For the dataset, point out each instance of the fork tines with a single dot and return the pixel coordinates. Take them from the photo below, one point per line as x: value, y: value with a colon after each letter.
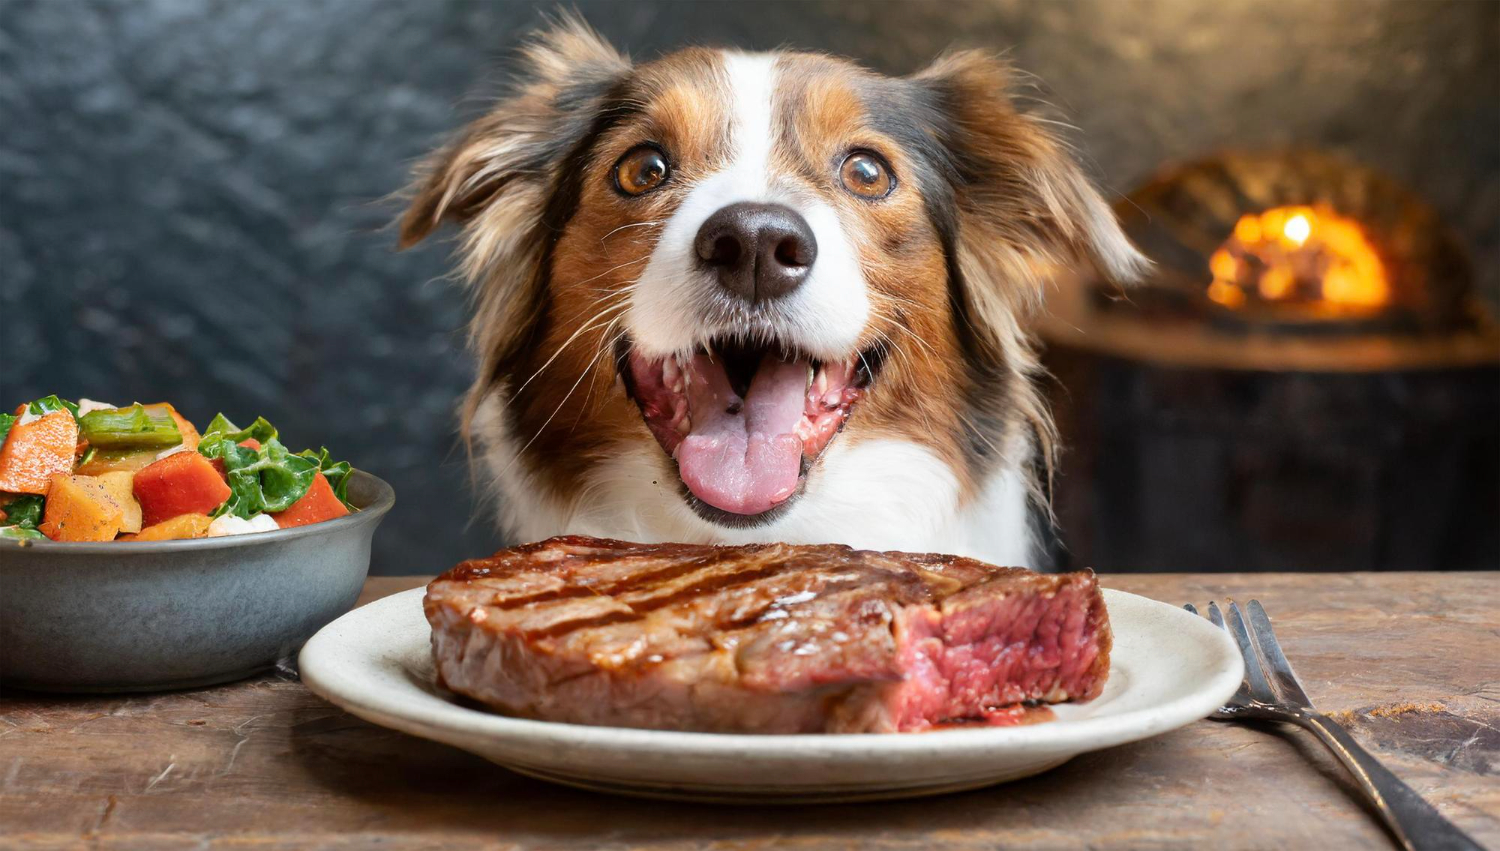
x: 1268, y: 674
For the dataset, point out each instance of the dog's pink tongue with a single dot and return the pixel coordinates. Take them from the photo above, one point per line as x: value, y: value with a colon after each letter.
x: 743, y: 455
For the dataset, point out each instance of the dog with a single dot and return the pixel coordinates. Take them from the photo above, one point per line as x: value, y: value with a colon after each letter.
x: 730, y: 297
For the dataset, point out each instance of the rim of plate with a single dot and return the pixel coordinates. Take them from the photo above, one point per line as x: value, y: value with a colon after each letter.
x: 345, y: 684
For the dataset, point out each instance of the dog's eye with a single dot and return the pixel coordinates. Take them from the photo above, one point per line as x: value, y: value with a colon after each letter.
x: 641, y: 170
x: 867, y: 175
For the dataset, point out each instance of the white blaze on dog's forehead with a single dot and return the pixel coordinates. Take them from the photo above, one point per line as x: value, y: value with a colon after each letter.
x: 752, y: 81
x: 826, y: 315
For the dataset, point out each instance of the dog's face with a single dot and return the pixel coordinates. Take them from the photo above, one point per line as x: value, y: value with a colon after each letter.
x: 738, y: 261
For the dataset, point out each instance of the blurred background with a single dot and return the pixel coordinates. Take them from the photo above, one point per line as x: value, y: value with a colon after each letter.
x: 191, y: 210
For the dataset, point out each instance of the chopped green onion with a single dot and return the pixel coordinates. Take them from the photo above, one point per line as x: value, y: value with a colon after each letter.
x: 135, y: 427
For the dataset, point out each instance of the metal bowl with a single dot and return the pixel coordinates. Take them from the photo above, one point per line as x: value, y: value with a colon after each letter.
x: 110, y: 617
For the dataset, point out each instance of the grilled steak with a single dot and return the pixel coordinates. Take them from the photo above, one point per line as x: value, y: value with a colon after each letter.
x: 768, y: 638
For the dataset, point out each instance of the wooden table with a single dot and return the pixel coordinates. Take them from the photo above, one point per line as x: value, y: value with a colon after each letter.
x: 1410, y: 662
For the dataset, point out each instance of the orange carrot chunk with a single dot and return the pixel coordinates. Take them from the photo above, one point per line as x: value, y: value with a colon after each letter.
x: 34, y: 452
x: 318, y: 504
x: 80, y: 508
x: 178, y: 528
x: 181, y: 483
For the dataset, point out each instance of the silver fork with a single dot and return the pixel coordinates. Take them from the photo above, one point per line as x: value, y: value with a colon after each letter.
x: 1271, y: 692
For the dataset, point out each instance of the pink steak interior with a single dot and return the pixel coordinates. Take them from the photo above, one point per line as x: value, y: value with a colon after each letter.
x: 743, y: 422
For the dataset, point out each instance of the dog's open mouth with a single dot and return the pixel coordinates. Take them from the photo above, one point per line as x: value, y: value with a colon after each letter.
x: 744, y: 422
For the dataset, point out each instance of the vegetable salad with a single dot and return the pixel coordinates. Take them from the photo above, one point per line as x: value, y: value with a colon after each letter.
x: 96, y: 472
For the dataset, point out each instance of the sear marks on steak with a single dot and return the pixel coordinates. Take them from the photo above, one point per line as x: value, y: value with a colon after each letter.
x: 769, y: 638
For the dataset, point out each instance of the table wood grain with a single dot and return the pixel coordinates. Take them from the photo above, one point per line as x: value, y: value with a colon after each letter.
x: 1409, y: 662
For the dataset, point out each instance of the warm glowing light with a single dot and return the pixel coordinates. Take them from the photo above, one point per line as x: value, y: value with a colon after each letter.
x: 1224, y: 266
x: 1228, y: 295
x: 1277, y: 283
x: 1248, y: 229
x: 1299, y: 254
x: 1297, y: 229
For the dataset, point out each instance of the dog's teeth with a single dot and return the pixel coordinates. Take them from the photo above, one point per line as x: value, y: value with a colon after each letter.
x: 683, y: 426
x: 671, y: 375
x: 810, y: 372
x: 820, y: 384
x: 832, y: 400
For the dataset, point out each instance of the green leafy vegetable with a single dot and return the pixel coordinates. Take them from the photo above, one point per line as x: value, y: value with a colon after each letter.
x: 6, y: 421
x: 135, y: 427
x: 25, y: 511
x: 260, y: 430
x: 219, y: 424
x: 22, y: 516
x: 258, y: 479
x: 51, y: 404
x: 244, y: 489
x: 337, y: 474
x: 268, y: 479
x: 20, y: 533
x: 284, y: 477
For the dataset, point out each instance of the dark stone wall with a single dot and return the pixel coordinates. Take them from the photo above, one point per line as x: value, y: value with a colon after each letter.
x: 190, y: 192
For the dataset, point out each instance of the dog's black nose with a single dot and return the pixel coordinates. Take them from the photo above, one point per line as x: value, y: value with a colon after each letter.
x: 759, y: 251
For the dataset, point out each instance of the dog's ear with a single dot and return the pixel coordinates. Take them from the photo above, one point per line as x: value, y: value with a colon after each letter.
x: 503, y: 179
x: 503, y: 165
x: 1024, y: 206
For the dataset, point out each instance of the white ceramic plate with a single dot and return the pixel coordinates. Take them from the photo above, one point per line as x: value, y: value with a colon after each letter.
x: 1168, y: 669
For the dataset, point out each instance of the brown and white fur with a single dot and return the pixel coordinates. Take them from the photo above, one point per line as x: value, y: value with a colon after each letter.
x: 946, y: 448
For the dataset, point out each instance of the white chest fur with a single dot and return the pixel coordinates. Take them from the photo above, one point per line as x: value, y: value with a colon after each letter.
x: 876, y: 494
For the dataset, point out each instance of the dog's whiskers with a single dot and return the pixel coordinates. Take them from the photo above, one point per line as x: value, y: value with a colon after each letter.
x: 593, y: 323
x: 889, y: 348
x: 629, y: 226
x: 640, y: 259
x: 608, y: 344
x: 587, y: 370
